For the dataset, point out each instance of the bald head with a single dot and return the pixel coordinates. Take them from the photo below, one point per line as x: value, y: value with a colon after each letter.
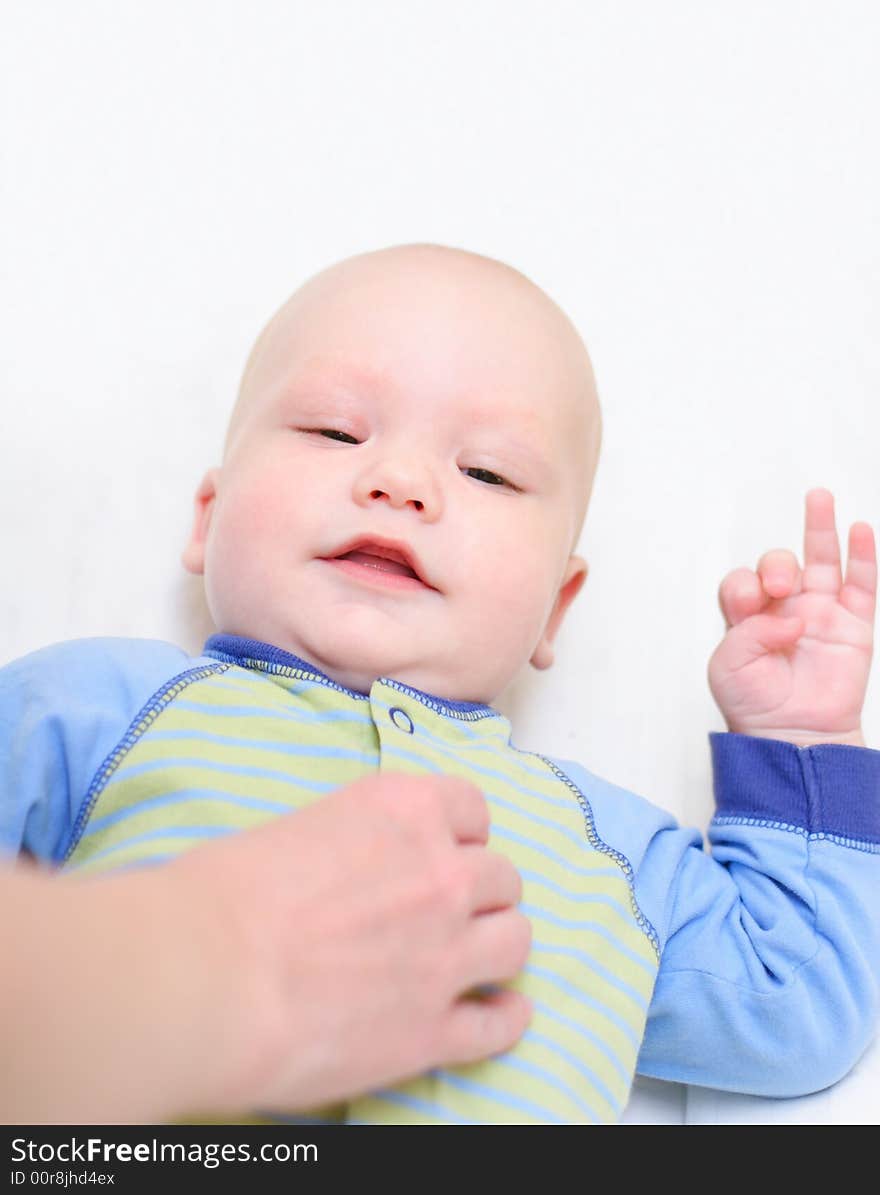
x: 493, y: 312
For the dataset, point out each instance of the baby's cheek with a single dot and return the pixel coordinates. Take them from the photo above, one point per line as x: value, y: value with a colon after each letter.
x: 240, y: 555
x: 252, y: 510
x: 511, y: 616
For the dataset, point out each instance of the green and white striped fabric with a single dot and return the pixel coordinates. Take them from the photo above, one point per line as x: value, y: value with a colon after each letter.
x: 229, y: 745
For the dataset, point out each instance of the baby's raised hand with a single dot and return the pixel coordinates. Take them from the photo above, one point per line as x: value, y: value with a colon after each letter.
x: 795, y: 660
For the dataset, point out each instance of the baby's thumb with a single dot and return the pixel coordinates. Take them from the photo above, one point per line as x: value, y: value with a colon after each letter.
x: 759, y: 635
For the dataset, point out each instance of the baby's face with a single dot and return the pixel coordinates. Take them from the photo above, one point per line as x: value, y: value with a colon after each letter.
x: 404, y: 478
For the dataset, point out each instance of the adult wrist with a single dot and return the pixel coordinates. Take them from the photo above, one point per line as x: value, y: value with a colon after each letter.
x: 232, y: 1015
x: 108, y: 1003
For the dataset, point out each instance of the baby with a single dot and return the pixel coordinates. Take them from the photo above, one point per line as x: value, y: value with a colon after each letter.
x: 388, y: 541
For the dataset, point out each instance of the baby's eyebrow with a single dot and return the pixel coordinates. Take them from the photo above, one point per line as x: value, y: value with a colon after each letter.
x: 311, y: 389
x: 349, y: 380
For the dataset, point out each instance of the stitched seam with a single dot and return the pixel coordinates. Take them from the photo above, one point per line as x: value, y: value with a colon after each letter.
x: 440, y: 707
x: 811, y: 784
x: 140, y: 723
x: 603, y: 848
x: 856, y: 844
x: 284, y: 670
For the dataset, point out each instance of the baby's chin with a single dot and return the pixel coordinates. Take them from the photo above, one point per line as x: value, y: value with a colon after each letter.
x: 355, y: 657
x: 361, y: 679
x: 370, y: 666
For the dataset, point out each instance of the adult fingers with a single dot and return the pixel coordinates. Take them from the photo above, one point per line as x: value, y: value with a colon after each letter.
x: 859, y: 592
x: 480, y: 1026
x: 495, y: 948
x: 465, y: 808
x: 821, y: 545
x: 494, y: 881
x: 447, y: 801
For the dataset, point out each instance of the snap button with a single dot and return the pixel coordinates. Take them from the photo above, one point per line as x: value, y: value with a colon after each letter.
x: 401, y: 719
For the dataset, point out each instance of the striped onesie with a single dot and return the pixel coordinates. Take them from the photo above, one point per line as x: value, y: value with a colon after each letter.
x: 752, y: 967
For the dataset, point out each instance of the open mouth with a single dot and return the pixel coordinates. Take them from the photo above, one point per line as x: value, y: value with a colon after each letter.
x: 384, y: 564
x: 380, y: 563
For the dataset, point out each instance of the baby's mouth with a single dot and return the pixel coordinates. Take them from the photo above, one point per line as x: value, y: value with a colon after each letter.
x: 384, y: 564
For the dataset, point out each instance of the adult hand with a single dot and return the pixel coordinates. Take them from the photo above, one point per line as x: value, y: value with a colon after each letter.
x: 327, y: 952
x: 356, y: 930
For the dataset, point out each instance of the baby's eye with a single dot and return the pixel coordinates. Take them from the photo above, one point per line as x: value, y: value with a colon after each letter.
x: 487, y: 476
x: 332, y: 434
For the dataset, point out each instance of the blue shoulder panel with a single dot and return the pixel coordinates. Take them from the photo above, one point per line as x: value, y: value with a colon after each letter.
x: 62, y: 710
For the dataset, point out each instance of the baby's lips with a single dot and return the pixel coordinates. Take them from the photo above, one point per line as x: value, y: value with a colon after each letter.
x: 385, y: 564
x: 369, y: 550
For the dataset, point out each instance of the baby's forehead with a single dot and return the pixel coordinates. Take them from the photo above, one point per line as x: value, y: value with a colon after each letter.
x: 424, y: 314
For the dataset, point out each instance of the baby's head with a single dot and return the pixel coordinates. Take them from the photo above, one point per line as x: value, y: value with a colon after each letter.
x: 405, y: 477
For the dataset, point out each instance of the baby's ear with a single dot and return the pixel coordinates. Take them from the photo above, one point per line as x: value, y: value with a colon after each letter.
x: 194, y: 553
x: 575, y: 574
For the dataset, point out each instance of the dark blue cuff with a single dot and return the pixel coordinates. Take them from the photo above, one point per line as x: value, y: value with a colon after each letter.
x: 830, y: 789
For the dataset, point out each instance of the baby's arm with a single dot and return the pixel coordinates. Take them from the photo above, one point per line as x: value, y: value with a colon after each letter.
x: 770, y: 945
x: 770, y: 971
x: 770, y: 965
x: 771, y: 961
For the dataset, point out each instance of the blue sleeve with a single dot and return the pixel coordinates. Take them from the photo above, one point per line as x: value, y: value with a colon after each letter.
x: 770, y: 941
x: 62, y: 711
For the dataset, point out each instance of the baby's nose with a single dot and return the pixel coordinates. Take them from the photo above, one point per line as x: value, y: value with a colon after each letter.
x: 401, y: 482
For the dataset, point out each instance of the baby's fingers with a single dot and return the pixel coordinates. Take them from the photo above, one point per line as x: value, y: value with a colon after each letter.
x: 859, y: 592
x: 780, y: 573
x: 740, y: 596
x: 821, y: 547
x: 744, y: 593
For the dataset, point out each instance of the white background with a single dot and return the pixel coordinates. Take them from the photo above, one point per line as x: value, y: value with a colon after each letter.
x: 695, y: 183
